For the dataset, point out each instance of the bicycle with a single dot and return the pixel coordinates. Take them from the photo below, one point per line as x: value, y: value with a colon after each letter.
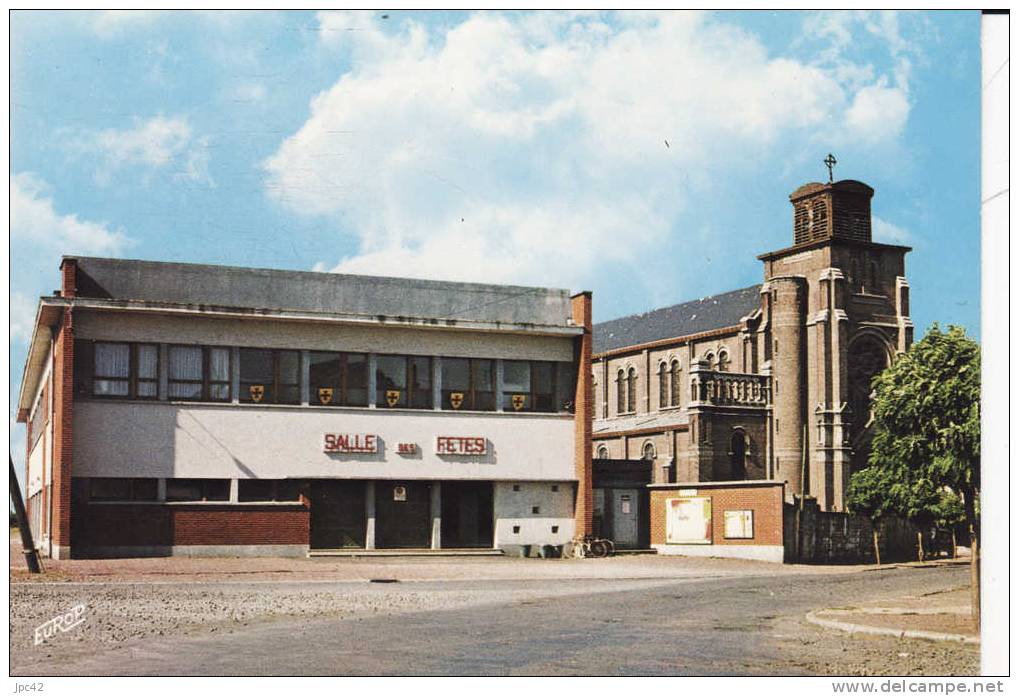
x: 589, y: 546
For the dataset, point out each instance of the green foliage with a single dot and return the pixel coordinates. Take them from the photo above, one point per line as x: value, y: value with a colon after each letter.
x: 927, y: 412
x: 926, y: 445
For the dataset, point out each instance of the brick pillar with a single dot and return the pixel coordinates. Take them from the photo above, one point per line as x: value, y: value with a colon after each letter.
x: 68, y: 278
x: 63, y: 394
x: 788, y: 314
x: 583, y: 415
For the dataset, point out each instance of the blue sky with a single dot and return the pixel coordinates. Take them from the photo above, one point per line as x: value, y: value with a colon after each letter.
x: 647, y: 157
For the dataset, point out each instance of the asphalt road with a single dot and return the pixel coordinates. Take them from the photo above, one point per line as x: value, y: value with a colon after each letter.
x: 715, y: 626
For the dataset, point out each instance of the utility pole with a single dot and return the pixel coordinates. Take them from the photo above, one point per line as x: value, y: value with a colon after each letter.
x: 28, y: 546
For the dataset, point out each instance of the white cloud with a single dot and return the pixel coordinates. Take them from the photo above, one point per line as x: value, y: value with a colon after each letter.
x: 34, y: 219
x: 22, y: 316
x: 110, y: 23
x: 541, y: 146
x: 884, y: 231
x: 159, y: 143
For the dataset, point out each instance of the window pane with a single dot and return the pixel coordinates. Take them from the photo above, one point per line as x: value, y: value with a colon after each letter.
x: 148, y: 390
x: 185, y: 363
x: 183, y: 489
x: 256, y: 371
x: 110, y: 489
x: 148, y: 362
x: 185, y: 390
x: 254, y: 490
x: 219, y: 392
x: 219, y: 364
x: 357, y: 379
x: 516, y: 376
x: 542, y: 387
x: 112, y: 360
x: 144, y: 488
x: 289, y: 365
x: 324, y: 374
x: 217, y: 489
x: 420, y: 382
x: 456, y: 379
x: 287, y: 491
x: 483, y: 376
x: 391, y: 381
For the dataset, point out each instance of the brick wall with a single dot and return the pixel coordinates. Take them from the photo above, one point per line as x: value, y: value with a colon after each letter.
x: 97, y: 525
x: 764, y: 499
x: 63, y: 394
x: 838, y: 537
x: 583, y: 415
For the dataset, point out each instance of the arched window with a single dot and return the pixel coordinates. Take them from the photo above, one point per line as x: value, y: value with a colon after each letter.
x: 631, y: 390
x: 620, y: 392
x: 867, y: 357
x: 603, y: 452
x: 648, y: 452
x: 709, y: 358
x: 676, y: 384
x: 663, y: 386
x: 872, y: 278
x: 738, y: 456
x: 723, y: 361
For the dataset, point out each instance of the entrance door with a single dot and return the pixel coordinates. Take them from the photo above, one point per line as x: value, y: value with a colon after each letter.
x: 624, y: 516
x: 337, y: 514
x: 403, y: 518
x: 466, y: 514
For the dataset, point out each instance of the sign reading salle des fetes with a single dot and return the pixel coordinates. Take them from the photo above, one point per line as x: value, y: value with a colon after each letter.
x: 368, y: 443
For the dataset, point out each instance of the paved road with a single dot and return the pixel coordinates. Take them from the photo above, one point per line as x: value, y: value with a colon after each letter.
x: 741, y: 625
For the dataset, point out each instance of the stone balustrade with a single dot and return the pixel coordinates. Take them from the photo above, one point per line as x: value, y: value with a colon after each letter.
x: 730, y: 389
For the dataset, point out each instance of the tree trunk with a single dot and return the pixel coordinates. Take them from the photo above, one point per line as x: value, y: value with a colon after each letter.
x: 919, y: 546
x: 877, y: 548
x: 954, y: 540
x: 969, y: 503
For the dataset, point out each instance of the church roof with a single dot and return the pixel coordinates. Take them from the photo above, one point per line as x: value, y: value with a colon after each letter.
x: 697, y: 316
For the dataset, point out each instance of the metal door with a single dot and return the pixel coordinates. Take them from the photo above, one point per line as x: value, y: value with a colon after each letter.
x: 624, y: 517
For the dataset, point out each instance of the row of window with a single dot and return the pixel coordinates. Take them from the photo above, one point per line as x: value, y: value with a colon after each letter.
x: 270, y: 376
x: 669, y: 382
x: 192, y: 490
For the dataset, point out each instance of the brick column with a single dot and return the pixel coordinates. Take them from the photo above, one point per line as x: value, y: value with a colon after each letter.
x: 583, y: 415
x: 63, y: 393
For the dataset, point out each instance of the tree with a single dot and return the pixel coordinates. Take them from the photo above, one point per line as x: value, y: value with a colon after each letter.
x: 871, y: 495
x: 927, y: 424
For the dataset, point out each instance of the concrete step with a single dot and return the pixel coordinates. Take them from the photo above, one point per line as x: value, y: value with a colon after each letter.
x: 393, y: 553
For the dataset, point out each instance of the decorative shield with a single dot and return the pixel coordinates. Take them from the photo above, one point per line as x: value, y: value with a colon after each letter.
x: 257, y: 392
x: 325, y: 394
x: 518, y: 401
x: 392, y: 397
x: 456, y: 399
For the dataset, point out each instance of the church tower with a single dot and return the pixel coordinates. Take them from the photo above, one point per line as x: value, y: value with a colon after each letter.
x: 835, y: 311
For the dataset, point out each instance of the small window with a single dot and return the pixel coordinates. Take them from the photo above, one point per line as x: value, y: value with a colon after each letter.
x: 555, y: 529
x: 126, y: 370
x: 603, y: 452
x: 676, y: 382
x: 663, y: 386
x: 403, y: 381
x: 270, y: 376
x: 516, y: 529
x: 535, y: 510
x: 468, y: 384
x: 198, y: 373
x: 193, y: 490
x: 122, y: 489
x: 516, y: 487
x: 268, y: 490
x: 723, y: 361
x: 555, y: 488
x: 528, y: 386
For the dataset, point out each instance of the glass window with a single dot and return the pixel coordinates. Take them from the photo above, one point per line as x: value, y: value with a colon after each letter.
x: 122, y: 489
x: 391, y: 381
x: 112, y: 369
x: 468, y: 384
x: 270, y: 376
x: 620, y: 392
x: 419, y: 382
x: 268, y: 490
x: 663, y: 386
x: 528, y: 386
x: 676, y: 382
x: 147, y: 374
x: 483, y: 383
x: 339, y: 379
x: 185, y: 490
x: 543, y: 387
x: 184, y: 372
x: 219, y: 374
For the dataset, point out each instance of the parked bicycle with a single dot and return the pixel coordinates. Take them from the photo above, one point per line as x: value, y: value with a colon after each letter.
x: 588, y: 546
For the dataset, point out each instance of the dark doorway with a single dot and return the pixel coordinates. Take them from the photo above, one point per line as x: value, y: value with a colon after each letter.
x: 738, y: 456
x: 466, y: 514
x: 403, y: 515
x: 337, y: 514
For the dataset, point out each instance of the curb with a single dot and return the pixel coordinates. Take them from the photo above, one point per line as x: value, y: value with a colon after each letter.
x: 879, y: 631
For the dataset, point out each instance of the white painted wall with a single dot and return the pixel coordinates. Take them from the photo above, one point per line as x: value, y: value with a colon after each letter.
x: 35, y: 464
x: 514, y: 508
x: 261, y: 441
x: 319, y: 336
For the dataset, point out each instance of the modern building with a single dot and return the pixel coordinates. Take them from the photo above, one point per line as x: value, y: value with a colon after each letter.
x: 191, y: 409
x: 765, y: 383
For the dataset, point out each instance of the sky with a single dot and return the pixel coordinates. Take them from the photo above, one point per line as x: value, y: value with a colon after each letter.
x: 647, y: 157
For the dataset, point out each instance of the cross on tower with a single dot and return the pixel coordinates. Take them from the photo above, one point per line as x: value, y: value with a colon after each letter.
x: 830, y: 161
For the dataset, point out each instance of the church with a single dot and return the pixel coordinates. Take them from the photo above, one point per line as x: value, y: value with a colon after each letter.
x: 765, y: 383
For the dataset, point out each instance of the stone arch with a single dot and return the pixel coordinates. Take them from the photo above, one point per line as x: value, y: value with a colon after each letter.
x: 602, y: 452
x: 869, y: 354
x: 739, y: 451
x: 647, y: 451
